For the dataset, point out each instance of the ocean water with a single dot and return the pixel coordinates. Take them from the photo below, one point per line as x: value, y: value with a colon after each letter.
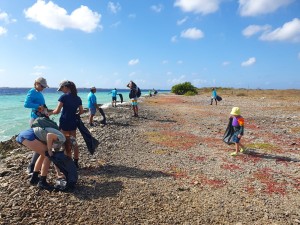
x: 15, y: 118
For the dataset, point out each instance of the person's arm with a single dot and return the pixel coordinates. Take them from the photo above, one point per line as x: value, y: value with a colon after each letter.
x: 81, y: 111
x: 58, y: 109
x: 50, y: 139
x: 28, y: 101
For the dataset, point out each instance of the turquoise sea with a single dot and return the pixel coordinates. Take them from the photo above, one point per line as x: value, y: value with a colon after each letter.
x: 15, y: 118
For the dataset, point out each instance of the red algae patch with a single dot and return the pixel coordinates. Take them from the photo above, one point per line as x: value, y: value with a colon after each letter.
x: 231, y: 167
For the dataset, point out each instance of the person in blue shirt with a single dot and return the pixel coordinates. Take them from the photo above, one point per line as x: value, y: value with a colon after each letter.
x: 70, y: 106
x: 114, y: 93
x: 214, y: 96
x: 36, y: 102
x: 93, y: 107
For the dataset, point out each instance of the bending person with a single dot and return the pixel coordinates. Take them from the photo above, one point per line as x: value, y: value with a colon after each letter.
x: 41, y: 141
x: 36, y: 102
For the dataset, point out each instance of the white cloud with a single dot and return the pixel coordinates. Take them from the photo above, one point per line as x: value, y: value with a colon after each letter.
x: 2, y: 70
x: 54, y: 17
x: 253, y: 29
x: 157, y: 8
x: 39, y: 67
x: 192, y: 33
x: 133, y: 62
x: 258, y: 7
x: 179, y: 62
x: 290, y: 31
x: 30, y: 37
x: 197, y: 82
x: 249, y: 62
x: 177, y: 80
x: 116, y: 24
x: 299, y: 55
x: 182, y: 21
x: 198, y: 6
x: 225, y: 63
x: 174, y: 39
x: 114, y: 7
x: 4, y: 17
x: 165, y: 62
x: 3, y: 31
x: 132, y: 16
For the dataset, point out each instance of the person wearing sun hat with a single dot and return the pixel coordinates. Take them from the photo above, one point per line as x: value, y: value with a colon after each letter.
x: 238, y: 128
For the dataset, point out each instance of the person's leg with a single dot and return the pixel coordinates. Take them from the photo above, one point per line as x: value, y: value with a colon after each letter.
x: 216, y: 101
x: 68, y: 146
x: 211, y: 101
x: 34, y: 158
x: 43, y: 184
x: 75, y: 147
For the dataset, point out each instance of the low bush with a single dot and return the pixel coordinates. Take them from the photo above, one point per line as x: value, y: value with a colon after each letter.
x: 181, y: 89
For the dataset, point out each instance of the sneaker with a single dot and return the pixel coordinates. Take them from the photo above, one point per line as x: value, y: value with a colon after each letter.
x: 91, y: 124
x: 34, y: 180
x: 242, y: 150
x: 45, y: 186
x: 233, y: 154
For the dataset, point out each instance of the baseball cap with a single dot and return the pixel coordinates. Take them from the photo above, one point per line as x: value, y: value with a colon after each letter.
x: 63, y: 83
x: 42, y: 81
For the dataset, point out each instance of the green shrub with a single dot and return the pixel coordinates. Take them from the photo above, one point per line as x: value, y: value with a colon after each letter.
x: 190, y: 93
x: 181, y: 89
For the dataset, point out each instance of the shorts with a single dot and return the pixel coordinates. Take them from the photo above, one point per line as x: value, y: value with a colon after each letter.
x: 235, y: 138
x: 92, y: 111
x: 114, y: 98
x: 26, y: 135
x: 134, y: 102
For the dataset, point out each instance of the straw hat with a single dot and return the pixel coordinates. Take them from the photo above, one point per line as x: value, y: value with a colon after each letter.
x: 236, y: 111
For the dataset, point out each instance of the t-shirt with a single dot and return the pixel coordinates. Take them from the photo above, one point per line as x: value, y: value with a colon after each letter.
x: 114, y: 93
x: 33, y: 100
x: 92, y: 100
x: 67, y: 120
x: 42, y: 135
x: 214, y: 94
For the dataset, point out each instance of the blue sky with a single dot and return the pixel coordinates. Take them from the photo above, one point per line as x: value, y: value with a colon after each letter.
x: 229, y: 43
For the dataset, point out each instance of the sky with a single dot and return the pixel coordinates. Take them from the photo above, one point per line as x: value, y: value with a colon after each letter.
x: 155, y: 43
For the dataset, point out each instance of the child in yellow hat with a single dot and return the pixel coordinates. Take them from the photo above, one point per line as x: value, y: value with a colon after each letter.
x: 238, y: 128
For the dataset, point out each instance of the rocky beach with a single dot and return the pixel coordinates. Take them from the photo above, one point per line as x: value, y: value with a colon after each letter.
x: 170, y: 166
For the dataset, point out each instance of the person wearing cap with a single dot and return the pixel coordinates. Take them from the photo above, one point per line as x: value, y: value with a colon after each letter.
x: 238, y: 128
x: 41, y: 140
x: 36, y: 102
x: 93, y: 106
x: 70, y: 106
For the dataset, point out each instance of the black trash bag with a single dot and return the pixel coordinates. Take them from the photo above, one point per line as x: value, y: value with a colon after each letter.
x: 219, y: 98
x: 228, y: 133
x: 67, y: 166
x: 91, y: 142
x: 121, y: 97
